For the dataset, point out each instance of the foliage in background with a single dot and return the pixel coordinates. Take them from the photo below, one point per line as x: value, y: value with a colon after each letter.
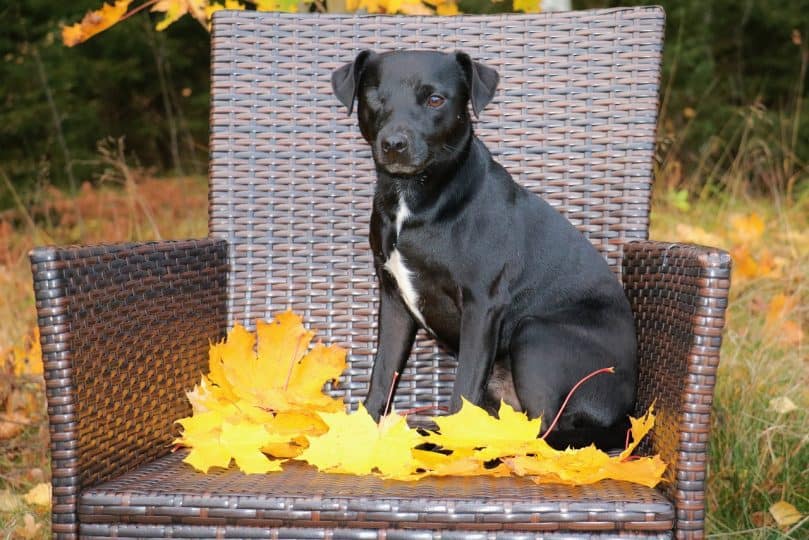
x: 734, y: 75
x: 734, y: 93
x: 57, y: 103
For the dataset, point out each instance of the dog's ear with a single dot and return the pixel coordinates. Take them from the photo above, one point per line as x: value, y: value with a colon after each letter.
x: 345, y: 81
x: 482, y: 81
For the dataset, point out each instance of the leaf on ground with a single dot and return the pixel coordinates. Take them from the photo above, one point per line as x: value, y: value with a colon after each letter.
x: 747, y: 228
x: 785, y: 514
x: 12, y: 424
x: 697, y: 235
x: 26, y: 359
x: 783, y: 405
x: 29, y: 529
x: 777, y: 322
x: 94, y: 22
x: 355, y: 444
x: 39, y: 495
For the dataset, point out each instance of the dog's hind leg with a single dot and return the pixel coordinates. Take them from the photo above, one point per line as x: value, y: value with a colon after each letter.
x: 547, y: 360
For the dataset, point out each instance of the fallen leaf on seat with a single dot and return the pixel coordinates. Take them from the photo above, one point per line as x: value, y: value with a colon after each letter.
x: 511, y: 433
x: 261, y: 395
x: 512, y: 439
x: 785, y: 514
x: 355, y: 444
x: 639, y: 428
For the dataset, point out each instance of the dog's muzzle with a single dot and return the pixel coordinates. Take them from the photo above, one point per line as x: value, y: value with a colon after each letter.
x: 398, y: 152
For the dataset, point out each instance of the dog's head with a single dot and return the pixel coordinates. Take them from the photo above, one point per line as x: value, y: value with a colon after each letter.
x: 413, y: 105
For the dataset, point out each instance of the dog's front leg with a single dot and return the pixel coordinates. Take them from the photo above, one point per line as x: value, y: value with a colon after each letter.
x: 396, y: 332
x: 480, y: 333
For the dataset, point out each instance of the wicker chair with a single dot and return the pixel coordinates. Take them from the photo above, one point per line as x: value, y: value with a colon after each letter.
x: 125, y: 328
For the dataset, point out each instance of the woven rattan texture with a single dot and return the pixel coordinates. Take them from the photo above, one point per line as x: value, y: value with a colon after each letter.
x: 292, y: 180
x: 679, y: 294
x: 169, y: 492
x: 289, y: 533
x: 125, y: 331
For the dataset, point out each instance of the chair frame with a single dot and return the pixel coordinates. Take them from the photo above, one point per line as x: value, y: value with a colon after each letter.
x: 125, y: 327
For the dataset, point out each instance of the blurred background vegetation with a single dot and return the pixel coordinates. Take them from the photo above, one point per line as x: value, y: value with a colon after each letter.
x: 734, y: 72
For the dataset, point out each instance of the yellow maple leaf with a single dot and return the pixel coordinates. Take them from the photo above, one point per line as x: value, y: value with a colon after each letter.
x: 174, y: 9
x: 216, y: 6
x: 527, y: 6
x: 447, y: 9
x: 290, y: 6
x: 443, y: 7
x: 751, y: 264
x: 588, y: 465
x: 509, y: 434
x: 215, y: 441
x: 459, y: 463
x: 94, y: 22
x: 639, y: 428
x: 355, y: 444
x: 269, y: 388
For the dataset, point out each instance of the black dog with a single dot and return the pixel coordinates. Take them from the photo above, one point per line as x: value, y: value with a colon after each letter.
x: 491, y: 270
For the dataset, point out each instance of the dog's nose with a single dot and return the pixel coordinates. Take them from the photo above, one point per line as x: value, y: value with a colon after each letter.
x: 394, y: 143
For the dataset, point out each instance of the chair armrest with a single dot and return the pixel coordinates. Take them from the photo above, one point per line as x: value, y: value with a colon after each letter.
x: 125, y: 330
x: 678, y: 294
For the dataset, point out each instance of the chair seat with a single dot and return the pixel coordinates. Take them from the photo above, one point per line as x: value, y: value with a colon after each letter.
x: 167, y: 497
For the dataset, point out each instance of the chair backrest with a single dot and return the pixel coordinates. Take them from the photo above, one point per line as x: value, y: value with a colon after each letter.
x: 291, y: 180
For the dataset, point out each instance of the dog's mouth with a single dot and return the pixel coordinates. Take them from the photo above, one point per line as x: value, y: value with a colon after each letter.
x: 405, y: 164
x: 402, y: 169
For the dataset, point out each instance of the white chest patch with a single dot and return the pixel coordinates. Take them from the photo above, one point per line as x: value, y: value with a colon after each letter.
x: 395, y: 266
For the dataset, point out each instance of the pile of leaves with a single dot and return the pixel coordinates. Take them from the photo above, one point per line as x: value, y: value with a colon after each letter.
x: 263, y: 403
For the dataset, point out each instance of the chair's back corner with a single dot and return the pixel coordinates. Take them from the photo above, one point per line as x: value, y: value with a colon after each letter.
x: 291, y: 180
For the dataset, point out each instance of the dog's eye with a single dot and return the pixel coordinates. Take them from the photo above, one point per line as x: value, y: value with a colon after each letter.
x: 435, y: 101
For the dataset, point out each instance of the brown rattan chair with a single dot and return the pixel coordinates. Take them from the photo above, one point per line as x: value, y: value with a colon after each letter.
x: 125, y: 328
